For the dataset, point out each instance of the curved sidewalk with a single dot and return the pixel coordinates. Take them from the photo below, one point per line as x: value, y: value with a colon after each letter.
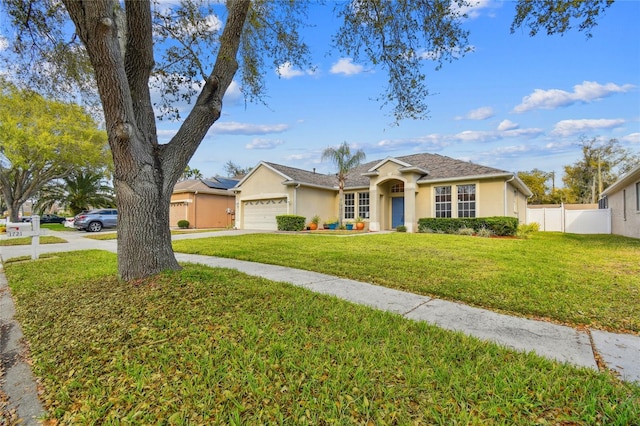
x: 618, y: 352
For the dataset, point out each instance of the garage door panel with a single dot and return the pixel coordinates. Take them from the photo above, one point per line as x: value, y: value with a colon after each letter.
x: 261, y: 214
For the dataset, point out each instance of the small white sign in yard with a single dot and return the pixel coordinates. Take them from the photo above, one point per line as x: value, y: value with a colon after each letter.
x: 26, y: 229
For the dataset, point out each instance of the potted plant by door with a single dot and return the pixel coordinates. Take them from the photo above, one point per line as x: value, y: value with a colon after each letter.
x: 349, y: 226
x: 359, y: 223
x: 333, y: 223
x: 314, y: 223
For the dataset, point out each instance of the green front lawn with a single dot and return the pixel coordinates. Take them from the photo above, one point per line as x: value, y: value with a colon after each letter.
x: 215, y: 346
x: 591, y: 280
x: 114, y: 235
x: 57, y: 227
x: 23, y: 241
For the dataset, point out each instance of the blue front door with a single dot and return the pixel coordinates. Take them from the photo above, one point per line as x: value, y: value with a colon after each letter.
x: 397, y: 211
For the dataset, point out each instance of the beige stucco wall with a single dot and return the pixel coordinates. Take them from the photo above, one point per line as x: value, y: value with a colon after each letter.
x: 202, y: 210
x: 625, y: 217
x: 490, y: 199
x: 315, y: 201
x: 263, y: 183
x: 516, y: 204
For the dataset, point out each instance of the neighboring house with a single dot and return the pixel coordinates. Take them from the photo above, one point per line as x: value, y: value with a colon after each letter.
x: 386, y: 193
x: 205, y: 203
x: 623, y: 198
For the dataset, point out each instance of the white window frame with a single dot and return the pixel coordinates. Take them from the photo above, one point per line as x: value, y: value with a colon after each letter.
x: 363, y: 208
x: 468, y: 204
x: 447, y: 203
x: 349, y: 207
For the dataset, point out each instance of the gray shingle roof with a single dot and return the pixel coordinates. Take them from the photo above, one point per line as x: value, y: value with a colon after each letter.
x: 437, y: 166
x: 304, y: 176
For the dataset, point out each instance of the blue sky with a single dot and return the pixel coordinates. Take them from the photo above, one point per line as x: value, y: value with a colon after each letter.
x: 514, y: 103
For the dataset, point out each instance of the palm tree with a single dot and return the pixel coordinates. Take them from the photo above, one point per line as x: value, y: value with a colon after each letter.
x: 345, y: 161
x: 78, y: 192
x: 190, y: 173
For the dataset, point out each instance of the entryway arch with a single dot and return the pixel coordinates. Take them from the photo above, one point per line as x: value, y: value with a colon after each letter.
x: 391, y: 207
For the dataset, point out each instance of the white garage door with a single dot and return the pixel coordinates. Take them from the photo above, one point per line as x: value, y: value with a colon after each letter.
x: 261, y: 214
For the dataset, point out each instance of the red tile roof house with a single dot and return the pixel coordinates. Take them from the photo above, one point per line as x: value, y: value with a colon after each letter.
x: 205, y: 203
x: 386, y: 193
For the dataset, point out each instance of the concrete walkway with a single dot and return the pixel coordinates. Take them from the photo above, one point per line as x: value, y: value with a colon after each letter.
x: 619, y: 352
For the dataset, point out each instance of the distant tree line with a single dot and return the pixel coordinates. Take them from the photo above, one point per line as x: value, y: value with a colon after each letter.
x: 602, y: 163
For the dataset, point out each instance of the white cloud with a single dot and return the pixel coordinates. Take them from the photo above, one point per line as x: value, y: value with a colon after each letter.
x: 260, y: 143
x: 510, y: 149
x: 431, y: 142
x: 286, y: 71
x: 304, y: 157
x: 554, y: 98
x: 212, y: 23
x: 631, y: 138
x: 4, y: 43
x: 481, y: 113
x: 493, y: 135
x: 346, y: 66
x: 572, y: 127
x: 475, y: 9
x: 235, y: 128
x: 438, y: 141
x: 507, y: 125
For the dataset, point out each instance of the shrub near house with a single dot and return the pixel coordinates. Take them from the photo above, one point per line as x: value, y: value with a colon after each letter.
x: 290, y: 222
x: 500, y: 226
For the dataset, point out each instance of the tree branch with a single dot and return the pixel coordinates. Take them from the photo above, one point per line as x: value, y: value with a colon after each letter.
x: 209, y: 104
x: 139, y: 62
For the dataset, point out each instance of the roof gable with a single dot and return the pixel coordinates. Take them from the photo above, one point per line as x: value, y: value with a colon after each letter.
x: 386, y: 160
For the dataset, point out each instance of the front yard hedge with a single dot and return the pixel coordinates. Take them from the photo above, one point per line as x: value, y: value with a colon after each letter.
x: 498, y: 225
x: 290, y: 222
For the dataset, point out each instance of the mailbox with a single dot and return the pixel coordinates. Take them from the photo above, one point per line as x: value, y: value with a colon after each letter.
x: 17, y: 229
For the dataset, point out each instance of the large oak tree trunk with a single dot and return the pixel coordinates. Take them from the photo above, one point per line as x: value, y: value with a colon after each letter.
x: 144, y: 237
x: 146, y: 172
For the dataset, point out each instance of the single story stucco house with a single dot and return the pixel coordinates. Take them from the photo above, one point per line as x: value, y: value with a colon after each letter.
x: 386, y: 193
x: 623, y: 198
x: 205, y: 203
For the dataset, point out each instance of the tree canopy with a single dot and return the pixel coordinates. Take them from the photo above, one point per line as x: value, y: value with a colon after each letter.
x: 602, y: 163
x: 600, y: 166
x: 42, y: 140
x: 234, y: 170
x: 82, y: 190
x: 186, y: 52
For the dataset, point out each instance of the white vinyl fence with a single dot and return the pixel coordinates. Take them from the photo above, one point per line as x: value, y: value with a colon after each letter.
x: 559, y: 219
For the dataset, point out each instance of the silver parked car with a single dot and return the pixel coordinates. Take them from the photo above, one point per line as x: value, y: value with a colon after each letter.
x: 95, y: 220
